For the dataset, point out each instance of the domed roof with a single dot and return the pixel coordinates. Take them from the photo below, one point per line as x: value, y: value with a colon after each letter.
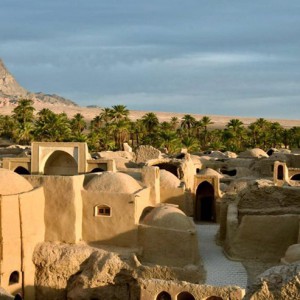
x: 12, y: 183
x: 114, y: 183
x: 168, y: 180
x: 168, y: 216
x: 256, y: 152
x: 210, y: 172
x: 217, y: 154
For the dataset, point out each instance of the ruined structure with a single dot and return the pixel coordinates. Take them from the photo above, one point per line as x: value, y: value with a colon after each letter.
x: 88, y: 208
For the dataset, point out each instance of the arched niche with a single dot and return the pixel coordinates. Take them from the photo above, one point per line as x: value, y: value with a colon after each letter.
x: 21, y: 170
x: 163, y: 296
x: 14, y: 278
x: 296, y: 177
x: 61, y: 163
x: 185, y: 296
x: 205, y: 206
x: 168, y: 167
x: 96, y: 170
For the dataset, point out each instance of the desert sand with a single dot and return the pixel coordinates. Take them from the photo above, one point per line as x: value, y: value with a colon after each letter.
x: 90, y: 112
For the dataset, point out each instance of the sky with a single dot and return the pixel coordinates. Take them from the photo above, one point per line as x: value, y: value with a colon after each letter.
x: 211, y: 57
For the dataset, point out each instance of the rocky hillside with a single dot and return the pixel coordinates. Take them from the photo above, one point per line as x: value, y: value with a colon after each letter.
x: 11, y: 92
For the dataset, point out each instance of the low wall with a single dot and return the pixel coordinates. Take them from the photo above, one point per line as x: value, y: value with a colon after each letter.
x: 168, y: 246
x: 264, y: 237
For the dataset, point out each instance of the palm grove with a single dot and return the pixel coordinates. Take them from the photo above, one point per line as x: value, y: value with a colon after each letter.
x: 112, y: 127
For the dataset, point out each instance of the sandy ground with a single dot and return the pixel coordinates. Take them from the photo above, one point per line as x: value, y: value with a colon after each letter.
x: 90, y: 113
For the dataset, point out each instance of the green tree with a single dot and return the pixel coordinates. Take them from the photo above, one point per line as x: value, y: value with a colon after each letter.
x: 234, y: 134
x: 23, y: 112
x: 190, y: 143
x: 150, y: 122
x: 52, y: 127
x: 118, y: 113
x: 187, y: 122
x: 8, y: 126
x: 78, y: 124
x: 259, y: 132
x: 205, y: 121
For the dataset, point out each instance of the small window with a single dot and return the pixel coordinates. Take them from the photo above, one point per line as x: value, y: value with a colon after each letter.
x: 14, y: 278
x: 102, y: 210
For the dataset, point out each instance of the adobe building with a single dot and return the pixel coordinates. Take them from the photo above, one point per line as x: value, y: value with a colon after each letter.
x: 22, y: 228
x: 76, y: 205
x: 55, y: 158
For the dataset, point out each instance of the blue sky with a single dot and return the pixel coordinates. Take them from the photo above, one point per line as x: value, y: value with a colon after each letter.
x: 237, y: 58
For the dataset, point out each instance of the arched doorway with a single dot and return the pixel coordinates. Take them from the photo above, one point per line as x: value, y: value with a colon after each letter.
x: 296, y: 177
x: 205, y: 208
x: 22, y: 171
x: 163, y: 296
x: 61, y: 163
x: 280, y: 172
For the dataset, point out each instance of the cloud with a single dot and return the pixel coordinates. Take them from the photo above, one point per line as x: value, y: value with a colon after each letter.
x: 205, y: 56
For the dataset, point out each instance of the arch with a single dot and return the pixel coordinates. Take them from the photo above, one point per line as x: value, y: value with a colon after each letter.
x: 14, y: 278
x: 185, y: 296
x: 280, y: 172
x: 270, y: 152
x: 96, y: 170
x: 205, y: 207
x: 21, y: 170
x: 228, y: 172
x: 102, y: 210
x: 61, y: 163
x: 145, y: 212
x: 296, y: 177
x: 214, y: 298
x: 163, y: 296
x: 168, y: 167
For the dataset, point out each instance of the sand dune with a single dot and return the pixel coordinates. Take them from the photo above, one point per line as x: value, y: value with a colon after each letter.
x: 90, y: 112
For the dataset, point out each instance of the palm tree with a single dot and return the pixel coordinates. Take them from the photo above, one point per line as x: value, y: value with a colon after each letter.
x: 168, y: 139
x: 150, y: 121
x: 78, y: 124
x: 164, y: 126
x: 52, y: 127
x: 276, y: 136
x: 293, y: 137
x: 105, y: 115
x: 119, y: 112
x: 8, y: 125
x: 120, y: 130
x: 24, y: 111
x: 174, y: 123
x: 190, y: 143
x: 205, y: 121
x: 234, y: 134
x: 24, y: 133
x: 187, y: 122
x: 96, y: 124
x: 260, y: 132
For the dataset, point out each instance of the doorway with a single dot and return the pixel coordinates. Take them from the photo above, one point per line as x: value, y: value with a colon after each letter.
x: 205, y: 207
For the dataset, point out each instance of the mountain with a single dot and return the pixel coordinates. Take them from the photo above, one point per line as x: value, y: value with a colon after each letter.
x: 11, y: 92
